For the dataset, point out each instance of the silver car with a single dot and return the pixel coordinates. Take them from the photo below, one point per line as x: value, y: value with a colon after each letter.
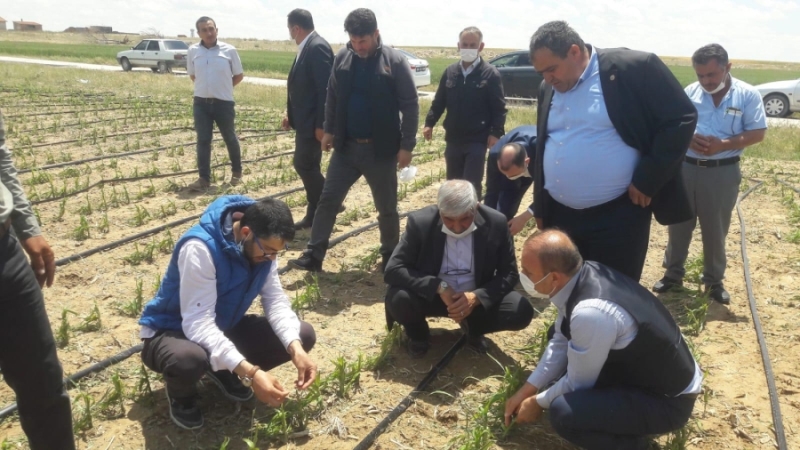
x: 160, y: 55
x: 781, y: 98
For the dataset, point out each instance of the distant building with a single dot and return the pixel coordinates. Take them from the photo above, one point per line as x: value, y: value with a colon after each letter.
x: 3, y: 24
x: 21, y: 25
x: 76, y: 30
x: 100, y: 29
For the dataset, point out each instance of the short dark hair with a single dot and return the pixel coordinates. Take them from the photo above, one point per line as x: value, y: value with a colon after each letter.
x: 706, y: 53
x: 204, y: 19
x: 471, y: 30
x: 360, y: 22
x: 558, y: 37
x: 519, y: 156
x: 301, y: 18
x: 269, y: 218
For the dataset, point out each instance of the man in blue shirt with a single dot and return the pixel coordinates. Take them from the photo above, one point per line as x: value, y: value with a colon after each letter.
x: 507, y: 175
x: 731, y: 117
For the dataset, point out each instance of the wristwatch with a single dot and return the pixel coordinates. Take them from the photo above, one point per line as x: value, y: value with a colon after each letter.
x: 247, y: 379
x: 442, y: 287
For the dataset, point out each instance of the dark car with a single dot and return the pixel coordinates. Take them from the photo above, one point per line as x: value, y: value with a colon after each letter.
x: 520, y: 79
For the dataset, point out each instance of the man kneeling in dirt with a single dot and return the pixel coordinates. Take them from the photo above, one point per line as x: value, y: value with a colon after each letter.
x: 196, y: 324
x: 629, y: 372
x: 456, y: 259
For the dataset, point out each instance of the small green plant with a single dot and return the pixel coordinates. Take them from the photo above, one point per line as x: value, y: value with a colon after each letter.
x: 82, y: 418
x: 694, y: 271
x: 141, y: 255
x: 81, y: 232
x: 144, y: 391
x: 308, y: 298
x: 141, y: 217
x: 92, y: 322
x: 225, y: 443
x: 368, y: 261
x: 63, y: 333
x: 166, y: 244
x: 346, y: 376
x: 696, y: 313
x: 537, y: 344
x: 104, y: 226
x: 62, y: 209
x: 86, y: 209
x: 134, y: 307
x: 112, y: 404
x: 794, y: 237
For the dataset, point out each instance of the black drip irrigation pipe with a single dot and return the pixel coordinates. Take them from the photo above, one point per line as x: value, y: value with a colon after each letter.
x: 72, y: 380
x: 777, y: 418
x: 73, y: 111
x: 797, y: 190
x: 105, y: 136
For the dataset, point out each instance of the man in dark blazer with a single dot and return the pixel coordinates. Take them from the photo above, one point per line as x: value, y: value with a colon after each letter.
x: 507, y: 174
x: 456, y: 259
x: 617, y: 126
x: 305, y: 105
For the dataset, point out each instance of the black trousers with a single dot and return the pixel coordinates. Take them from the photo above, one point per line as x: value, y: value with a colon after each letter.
x: 28, y: 355
x: 183, y: 363
x: 307, y: 158
x: 513, y: 312
x: 466, y: 161
x: 502, y: 194
x: 617, y: 418
x: 616, y: 233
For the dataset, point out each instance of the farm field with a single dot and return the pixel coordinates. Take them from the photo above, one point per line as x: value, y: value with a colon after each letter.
x: 137, y: 130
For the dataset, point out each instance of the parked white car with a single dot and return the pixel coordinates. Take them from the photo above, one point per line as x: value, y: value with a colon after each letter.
x: 781, y: 98
x: 419, y: 68
x: 160, y: 55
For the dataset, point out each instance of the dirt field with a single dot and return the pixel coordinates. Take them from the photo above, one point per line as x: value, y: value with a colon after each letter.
x: 348, y: 315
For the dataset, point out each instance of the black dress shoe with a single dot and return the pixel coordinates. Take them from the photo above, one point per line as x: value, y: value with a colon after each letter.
x: 306, y: 262
x: 718, y: 293
x: 478, y: 344
x: 665, y: 284
x: 304, y: 224
x: 418, y: 349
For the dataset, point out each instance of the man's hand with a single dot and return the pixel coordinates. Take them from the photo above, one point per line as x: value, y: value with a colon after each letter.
x: 326, y: 142
x: 699, y: 143
x: 43, y: 260
x: 319, y: 133
x: 306, y: 368
x: 637, y: 197
x: 427, y: 133
x: 516, y: 224
x: 491, y: 141
x: 404, y: 158
x: 285, y: 124
x: 268, y: 389
x: 529, y: 411
x: 513, y: 403
x: 715, y: 145
x: 463, y: 305
x: 447, y: 296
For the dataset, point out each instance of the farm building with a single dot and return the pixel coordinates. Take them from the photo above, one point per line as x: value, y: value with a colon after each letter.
x: 100, y: 29
x: 2, y: 24
x: 20, y: 25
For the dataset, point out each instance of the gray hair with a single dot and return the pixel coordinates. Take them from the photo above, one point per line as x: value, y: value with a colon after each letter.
x: 471, y: 30
x: 706, y: 53
x: 457, y: 197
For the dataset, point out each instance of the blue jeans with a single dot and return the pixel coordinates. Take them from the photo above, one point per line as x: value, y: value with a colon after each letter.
x: 205, y: 115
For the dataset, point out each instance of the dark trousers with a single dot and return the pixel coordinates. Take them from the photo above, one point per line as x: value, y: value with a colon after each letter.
x: 345, y: 168
x: 513, y: 312
x: 616, y: 233
x: 466, y: 161
x: 617, y: 418
x: 205, y: 115
x: 28, y: 355
x: 307, y: 158
x: 183, y: 363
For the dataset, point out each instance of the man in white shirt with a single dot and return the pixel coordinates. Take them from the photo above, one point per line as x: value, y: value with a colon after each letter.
x: 617, y: 368
x: 197, y: 322
x: 215, y: 68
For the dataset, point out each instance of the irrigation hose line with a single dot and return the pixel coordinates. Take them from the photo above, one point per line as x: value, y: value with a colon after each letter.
x: 777, y: 418
x: 72, y: 380
x: 789, y: 186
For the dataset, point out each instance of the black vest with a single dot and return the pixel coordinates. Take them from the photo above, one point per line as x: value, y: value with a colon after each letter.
x: 657, y: 360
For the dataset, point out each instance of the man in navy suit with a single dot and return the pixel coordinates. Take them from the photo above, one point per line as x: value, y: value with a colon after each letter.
x: 507, y: 175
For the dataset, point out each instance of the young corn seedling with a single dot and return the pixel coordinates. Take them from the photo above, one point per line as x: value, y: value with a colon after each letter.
x: 141, y: 217
x: 104, y: 226
x: 86, y: 209
x: 112, y: 404
x: 81, y: 232
x: 696, y: 313
x: 389, y: 342
x: 368, y: 261
x: 133, y: 308
x: 63, y: 333
x: 82, y: 418
x: 308, y: 298
x: 167, y: 244
x: 144, y: 390
x: 92, y: 322
x: 346, y: 376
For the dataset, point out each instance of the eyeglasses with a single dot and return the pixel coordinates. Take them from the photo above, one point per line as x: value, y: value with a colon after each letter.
x: 268, y: 255
x: 457, y: 271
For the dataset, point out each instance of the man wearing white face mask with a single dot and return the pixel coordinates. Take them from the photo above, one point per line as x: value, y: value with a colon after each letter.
x: 629, y: 372
x: 507, y: 175
x: 730, y: 117
x: 471, y: 91
x: 456, y: 259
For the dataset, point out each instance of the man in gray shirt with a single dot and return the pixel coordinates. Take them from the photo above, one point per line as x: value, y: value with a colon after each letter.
x: 27, y: 349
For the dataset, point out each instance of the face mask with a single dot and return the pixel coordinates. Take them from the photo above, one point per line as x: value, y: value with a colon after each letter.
x: 718, y: 88
x: 530, y: 286
x: 464, y: 233
x: 524, y: 173
x: 468, y: 55
x: 240, y: 246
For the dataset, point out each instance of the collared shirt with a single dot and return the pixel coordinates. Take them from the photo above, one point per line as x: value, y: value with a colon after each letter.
x: 214, y: 69
x: 470, y: 68
x: 740, y: 110
x: 586, y: 162
x: 597, y: 327
x: 458, y: 265
x: 13, y: 203
x: 359, y: 115
x: 198, y: 298
x: 303, y: 45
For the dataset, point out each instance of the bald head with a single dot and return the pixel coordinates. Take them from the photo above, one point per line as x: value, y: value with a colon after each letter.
x: 511, y: 155
x: 552, y: 251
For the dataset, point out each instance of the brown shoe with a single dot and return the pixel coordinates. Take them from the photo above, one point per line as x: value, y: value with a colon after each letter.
x: 236, y: 178
x: 201, y: 185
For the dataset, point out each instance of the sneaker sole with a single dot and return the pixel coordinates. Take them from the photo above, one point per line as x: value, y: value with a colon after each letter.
x: 225, y: 392
x: 176, y: 421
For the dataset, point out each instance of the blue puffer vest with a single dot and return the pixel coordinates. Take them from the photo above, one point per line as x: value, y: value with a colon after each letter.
x: 238, y: 283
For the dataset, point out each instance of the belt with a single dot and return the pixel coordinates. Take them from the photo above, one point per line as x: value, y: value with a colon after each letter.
x: 210, y: 100
x: 597, y: 208
x: 364, y: 141
x: 711, y: 162
x: 4, y: 227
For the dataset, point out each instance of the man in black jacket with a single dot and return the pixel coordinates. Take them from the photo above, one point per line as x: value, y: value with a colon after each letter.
x: 305, y: 105
x: 370, y: 88
x: 472, y: 92
x: 456, y: 259
x: 507, y: 174
x: 617, y: 125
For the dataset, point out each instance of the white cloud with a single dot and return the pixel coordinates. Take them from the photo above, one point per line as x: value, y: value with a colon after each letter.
x: 760, y: 29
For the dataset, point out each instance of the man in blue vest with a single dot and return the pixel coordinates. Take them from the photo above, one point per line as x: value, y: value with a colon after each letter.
x: 197, y: 325
x: 627, y: 371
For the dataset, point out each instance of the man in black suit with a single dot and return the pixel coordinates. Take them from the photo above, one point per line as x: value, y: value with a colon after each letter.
x: 617, y: 125
x: 305, y: 106
x: 507, y: 174
x: 456, y: 259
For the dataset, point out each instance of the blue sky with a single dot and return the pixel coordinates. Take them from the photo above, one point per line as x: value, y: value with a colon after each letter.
x: 754, y: 29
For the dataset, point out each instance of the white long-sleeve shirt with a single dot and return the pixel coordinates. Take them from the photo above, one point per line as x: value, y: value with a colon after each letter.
x: 597, y: 327
x: 198, y: 298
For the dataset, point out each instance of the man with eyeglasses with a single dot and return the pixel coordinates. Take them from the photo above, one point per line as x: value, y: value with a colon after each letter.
x: 456, y: 259
x: 197, y: 323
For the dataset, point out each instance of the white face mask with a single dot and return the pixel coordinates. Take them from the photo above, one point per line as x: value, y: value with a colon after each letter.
x: 530, y: 286
x: 468, y: 55
x: 524, y: 173
x: 464, y: 233
x: 718, y: 88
